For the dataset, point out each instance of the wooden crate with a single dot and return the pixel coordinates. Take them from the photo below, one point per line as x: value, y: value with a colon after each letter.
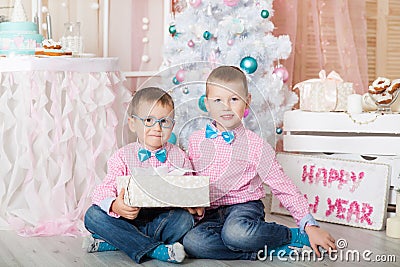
x: 339, y: 132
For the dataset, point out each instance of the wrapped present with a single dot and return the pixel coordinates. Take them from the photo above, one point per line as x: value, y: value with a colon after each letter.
x: 328, y: 93
x: 158, y: 188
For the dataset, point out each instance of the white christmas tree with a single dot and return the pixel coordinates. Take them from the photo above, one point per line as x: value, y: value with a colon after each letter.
x: 206, y: 34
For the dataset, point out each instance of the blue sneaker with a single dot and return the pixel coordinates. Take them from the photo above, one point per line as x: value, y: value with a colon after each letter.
x: 285, y: 250
x: 174, y: 253
x: 299, y: 238
x: 94, y: 243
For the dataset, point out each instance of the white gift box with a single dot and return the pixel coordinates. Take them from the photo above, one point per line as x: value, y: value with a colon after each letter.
x: 328, y: 93
x: 164, y: 190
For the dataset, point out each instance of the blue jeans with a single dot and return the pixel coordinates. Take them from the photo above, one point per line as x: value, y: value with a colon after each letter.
x: 234, y: 232
x: 137, y: 237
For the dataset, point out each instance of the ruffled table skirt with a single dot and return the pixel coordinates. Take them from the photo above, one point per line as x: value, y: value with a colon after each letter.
x: 60, y: 120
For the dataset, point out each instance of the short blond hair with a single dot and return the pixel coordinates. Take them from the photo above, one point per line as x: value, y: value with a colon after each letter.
x: 227, y: 74
x: 150, y: 95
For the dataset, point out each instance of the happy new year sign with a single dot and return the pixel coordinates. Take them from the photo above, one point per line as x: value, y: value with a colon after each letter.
x: 339, y: 191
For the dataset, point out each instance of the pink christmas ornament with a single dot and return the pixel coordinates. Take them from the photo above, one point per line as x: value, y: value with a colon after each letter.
x: 231, y: 2
x: 230, y: 42
x: 246, y: 113
x: 190, y: 43
x: 282, y: 73
x: 195, y: 3
x: 180, y: 75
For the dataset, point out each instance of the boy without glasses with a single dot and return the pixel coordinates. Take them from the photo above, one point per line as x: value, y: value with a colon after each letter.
x: 146, y: 232
x: 238, y: 162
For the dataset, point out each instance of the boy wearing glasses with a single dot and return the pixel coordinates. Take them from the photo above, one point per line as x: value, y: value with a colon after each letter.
x: 147, y: 232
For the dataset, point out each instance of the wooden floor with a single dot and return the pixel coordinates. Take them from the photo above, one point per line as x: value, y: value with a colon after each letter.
x: 67, y: 251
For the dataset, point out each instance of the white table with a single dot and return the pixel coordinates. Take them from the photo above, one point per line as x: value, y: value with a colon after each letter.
x: 60, y: 120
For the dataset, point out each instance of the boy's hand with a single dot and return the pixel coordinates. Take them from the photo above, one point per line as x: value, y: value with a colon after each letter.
x: 119, y: 207
x: 196, y: 211
x: 320, y: 237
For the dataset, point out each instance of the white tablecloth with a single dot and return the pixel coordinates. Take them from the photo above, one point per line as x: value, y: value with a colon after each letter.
x: 60, y: 120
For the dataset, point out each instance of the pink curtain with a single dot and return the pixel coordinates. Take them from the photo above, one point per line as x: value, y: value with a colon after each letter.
x: 337, y: 30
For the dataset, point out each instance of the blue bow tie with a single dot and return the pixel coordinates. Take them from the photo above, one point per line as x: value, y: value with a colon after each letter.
x: 145, y: 154
x: 228, y: 136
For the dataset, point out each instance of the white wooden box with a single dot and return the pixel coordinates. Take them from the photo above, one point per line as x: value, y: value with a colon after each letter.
x: 339, y: 132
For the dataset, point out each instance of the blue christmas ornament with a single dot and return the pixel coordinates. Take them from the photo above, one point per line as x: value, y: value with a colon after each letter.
x: 201, y: 103
x: 175, y: 80
x: 264, y: 13
x: 172, y: 29
x: 279, y: 130
x: 207, y: 35
x: 248, y: 64
x: 185, y: 90
x: 172, y: 139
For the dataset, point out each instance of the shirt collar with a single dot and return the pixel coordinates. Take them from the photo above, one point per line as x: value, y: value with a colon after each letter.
x: 238, y: 131
x: 139, y: 146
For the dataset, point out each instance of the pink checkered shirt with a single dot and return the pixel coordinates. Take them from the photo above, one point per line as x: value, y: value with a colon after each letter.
x: 238, y: 170
x: 126, y: 158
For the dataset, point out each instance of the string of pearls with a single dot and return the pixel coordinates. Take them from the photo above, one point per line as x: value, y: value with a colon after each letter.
x: 145, y: 40
x: 366, y: 121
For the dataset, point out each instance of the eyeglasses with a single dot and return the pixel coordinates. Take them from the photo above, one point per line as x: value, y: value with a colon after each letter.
x: 150, y: 121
